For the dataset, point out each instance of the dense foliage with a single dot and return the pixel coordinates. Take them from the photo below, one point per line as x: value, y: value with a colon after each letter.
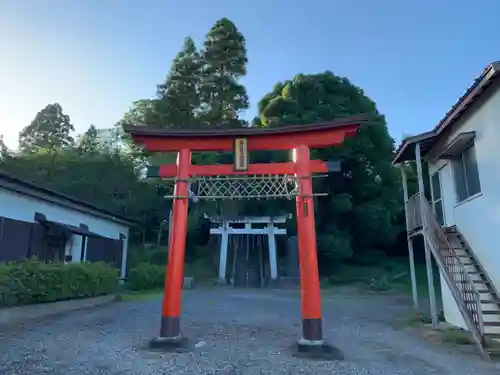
x: 31, y: 281
x: 50, y: 130
x: 146, y: 276
x: 361, y: 212
x: 360, y: 218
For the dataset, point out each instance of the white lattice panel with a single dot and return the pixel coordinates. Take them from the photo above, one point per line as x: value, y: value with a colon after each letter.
x: 246, y: 187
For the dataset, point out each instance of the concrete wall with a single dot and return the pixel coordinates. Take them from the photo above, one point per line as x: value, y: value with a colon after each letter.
x: 18, y: 206
x: 478, y: 217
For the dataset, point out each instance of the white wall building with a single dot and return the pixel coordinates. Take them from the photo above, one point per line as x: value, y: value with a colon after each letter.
x: 35, y: 221
x: 460, y: 220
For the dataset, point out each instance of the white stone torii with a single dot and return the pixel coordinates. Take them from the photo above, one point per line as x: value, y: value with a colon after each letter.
x: 270, y: 229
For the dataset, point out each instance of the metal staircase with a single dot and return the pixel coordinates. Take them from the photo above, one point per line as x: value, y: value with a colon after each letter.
x: 489, y: 295
x: 473, y: 291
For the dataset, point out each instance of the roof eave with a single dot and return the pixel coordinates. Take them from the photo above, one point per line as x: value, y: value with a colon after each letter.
x: 36, y: 189
x: 476, y: 89
x: 144, y: 130
x: 409, y: 141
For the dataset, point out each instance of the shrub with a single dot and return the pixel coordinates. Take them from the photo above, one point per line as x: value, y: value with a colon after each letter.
x: 31, y: 281
x: 200, y: 269
x: 146, y: 276
x: 159, y: 256
x: 155, y: 254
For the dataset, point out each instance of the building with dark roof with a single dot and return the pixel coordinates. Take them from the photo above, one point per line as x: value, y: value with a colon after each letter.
x: 36, y: 221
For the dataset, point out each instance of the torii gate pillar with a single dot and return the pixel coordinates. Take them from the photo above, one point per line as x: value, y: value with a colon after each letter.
x: 171, y: 307
x: 308, y: 261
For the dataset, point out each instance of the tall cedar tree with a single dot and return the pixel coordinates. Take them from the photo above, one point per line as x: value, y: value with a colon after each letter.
x: 89, y: 141
x: 225, y: 59
x: 4, y: 150
x: 50, y: 130
x: 178, y: 99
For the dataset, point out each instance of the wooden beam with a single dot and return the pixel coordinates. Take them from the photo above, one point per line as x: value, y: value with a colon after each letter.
x: 170, y: 170
x: 249, y: 219
x: 276, y: 231
x: 316, y: 138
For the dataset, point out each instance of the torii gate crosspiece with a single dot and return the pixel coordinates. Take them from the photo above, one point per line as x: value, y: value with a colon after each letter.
x: 245, y: 181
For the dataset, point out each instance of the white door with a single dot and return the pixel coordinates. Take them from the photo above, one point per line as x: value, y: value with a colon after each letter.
x: 437, y: 198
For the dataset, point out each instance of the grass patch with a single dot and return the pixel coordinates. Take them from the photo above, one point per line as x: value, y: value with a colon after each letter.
x: 420, y: 324
x: 447, y: 335
x: 455, y: 336
x: 386, y: 274
x: 141, y: 295
x: 404, y: 284
x: 417, y: 319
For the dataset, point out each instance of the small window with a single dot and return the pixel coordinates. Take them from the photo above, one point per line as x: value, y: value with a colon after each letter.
x: 466, y: 174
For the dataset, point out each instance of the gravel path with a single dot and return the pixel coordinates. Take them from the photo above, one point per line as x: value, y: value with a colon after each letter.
x: 236, y: 333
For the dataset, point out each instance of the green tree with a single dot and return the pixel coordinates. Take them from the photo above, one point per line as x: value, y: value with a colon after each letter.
x: 89, y: 142
x: 224, y: 63
x: 178, y: 100
x: 4, y: 151
x: 362, y: 211
x: 50, y: 130
x: 201, y: 90
x: 141, y: 112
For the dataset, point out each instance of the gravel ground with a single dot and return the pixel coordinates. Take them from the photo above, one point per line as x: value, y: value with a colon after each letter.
x: 234, y: 333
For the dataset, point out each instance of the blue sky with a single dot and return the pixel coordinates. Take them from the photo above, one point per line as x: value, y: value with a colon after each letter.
x: 413, y: 58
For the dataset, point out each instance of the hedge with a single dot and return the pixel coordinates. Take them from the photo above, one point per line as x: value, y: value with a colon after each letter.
x: 32, y: 281
x: 146, y: 276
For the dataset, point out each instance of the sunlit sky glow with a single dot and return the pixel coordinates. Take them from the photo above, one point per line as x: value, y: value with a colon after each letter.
x: 94, y: 57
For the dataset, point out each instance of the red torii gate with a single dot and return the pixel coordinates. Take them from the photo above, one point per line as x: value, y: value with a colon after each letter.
x: 300, y: 138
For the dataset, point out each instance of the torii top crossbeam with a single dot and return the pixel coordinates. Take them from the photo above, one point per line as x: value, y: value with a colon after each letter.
x: 316, y: 135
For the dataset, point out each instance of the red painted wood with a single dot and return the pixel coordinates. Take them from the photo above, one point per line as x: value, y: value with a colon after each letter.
x: 313, y: 139
x: 170, y: 170
x: 171, y: 306
x: 309, y: 276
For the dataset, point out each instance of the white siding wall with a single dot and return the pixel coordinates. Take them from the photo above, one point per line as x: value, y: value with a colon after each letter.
x: 21, y: 207
x: 451, y: 312
x: 478, y: 217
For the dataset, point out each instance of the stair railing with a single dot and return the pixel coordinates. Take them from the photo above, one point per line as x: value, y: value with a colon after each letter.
x: 455, y: 274
x: 479, y: 266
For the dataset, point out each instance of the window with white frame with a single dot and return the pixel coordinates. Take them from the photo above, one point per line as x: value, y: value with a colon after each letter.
x: 466, y: 174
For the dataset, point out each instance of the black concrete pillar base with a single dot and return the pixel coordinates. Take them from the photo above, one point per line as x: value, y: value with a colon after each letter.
x: 312, y: 330
x: 169, y: 344
x: 170, y: 338
x: 317, y: 350
x: 170, y: 326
